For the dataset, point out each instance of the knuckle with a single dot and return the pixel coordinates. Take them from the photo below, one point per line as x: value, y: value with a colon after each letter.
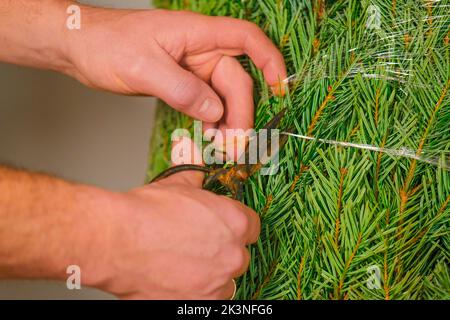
x: 137, y: 66
x: 258, y: 228
x: 257, y: 222
x: 238, y: 259
x: 131, y: 68
x: 241, y: 224
x: 253, y: 30
x: 251, y: 27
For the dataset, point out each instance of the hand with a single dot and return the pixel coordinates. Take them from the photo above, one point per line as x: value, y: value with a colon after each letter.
x: 168, y: 240
x: 184, y: 58
x: 177, y: 241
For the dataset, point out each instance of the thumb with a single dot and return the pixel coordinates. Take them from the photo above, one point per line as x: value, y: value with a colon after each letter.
x: 185, y: 92
x: 184, y: 151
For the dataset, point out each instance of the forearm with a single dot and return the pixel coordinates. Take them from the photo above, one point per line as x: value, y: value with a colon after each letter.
x: 33, y: 33
x: 47, y: 224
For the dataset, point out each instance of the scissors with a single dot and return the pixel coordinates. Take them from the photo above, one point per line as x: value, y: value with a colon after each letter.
x: 233, y: 178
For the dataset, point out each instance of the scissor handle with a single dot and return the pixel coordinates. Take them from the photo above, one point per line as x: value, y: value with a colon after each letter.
x: 176, y: 169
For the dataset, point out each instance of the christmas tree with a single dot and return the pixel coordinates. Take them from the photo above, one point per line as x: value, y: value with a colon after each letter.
x: 360, y: 206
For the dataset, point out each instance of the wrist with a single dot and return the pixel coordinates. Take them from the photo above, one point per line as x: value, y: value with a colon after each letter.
x: 79, y: 46
x: 117, y: 255
x: 92, y: 237
x: 32, y: 34
x: 78, y: 231
x: 63, y: 27
x: 47, y: 224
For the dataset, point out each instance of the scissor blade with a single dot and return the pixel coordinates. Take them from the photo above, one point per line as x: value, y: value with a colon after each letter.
x: 263, y: 139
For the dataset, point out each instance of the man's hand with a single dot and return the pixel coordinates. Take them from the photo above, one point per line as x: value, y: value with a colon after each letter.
x: 184, y: 58
x: 177, y: 241
x: 189, y: 245
x: 169, y: 240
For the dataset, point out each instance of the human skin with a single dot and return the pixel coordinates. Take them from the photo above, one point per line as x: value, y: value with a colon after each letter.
x: 169, y: 240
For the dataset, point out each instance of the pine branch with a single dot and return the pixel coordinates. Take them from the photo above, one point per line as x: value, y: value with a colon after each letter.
x: 323, y: 225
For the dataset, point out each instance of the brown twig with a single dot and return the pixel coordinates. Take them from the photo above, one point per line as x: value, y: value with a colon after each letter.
x: 347, y: 267
x: 299, y: 278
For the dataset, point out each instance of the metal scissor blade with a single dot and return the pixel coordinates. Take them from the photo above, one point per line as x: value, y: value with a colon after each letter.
x: 233, y: 178
x: 265, y: 144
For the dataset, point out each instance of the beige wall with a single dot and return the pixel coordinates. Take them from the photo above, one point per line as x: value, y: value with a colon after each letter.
x: 51, y: 123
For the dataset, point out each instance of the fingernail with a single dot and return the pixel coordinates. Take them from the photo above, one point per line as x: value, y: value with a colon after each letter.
x: 211, y: 110
x: 279, y: 89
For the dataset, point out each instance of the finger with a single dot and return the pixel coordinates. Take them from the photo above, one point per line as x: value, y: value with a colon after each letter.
x: 184, y: 151
x: 215, y: 149
x: 243, y: 221
x: 244, y: 262
x: 183, y: 90
x: 245, y: 37
x: 254, y: 224
x: 209, y: 125
x: 235, y: 87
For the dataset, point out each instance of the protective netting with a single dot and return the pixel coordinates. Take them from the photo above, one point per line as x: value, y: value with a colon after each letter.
x: 360, y: 207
